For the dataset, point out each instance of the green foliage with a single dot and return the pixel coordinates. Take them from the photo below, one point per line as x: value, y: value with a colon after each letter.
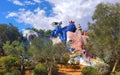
x: 41, y: 31
x: 42, y: 48
x: 13, y: 72
x: 12, y: 33
x: 47, y: 33
x: 90, y: 71
x: 65, y: 59
x: 115, y: 73
x: 104, y: 32
x: 8, y: 73
x: 58, y: 50
x: 103, y: 68
x: 8, y: 63
x: 8, y: 33
x: 40, y: 69
x: 2, y: 71
x: 15, y: 48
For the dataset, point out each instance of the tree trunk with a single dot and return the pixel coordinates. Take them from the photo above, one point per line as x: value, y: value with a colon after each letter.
x: 54, y: 60
x: 46, y: 60
x: 50, y: 70
x: 114, y: 67
x: 22, y: 69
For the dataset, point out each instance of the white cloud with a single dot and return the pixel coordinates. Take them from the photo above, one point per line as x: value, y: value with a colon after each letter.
x: 23, y: 3
x: 37, y: 1
x: 12, y: 14
x: 36, y: 18
x: 29, y: 3
x: 78, y: 10
x: 16, y: 2
x: 73, y: 10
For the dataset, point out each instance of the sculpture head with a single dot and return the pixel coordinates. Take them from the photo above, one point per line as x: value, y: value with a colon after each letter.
x: 71, y: 22
x: 76, y: 40
x: 29, y: 34
x: 54, y: 24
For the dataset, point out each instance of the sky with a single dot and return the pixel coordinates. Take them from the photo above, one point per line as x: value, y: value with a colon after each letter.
x: 40, y: 14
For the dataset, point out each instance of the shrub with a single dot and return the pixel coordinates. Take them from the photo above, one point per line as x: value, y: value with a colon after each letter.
x: 90, y: 71
x: 13, y: 72
x: 8, y: 63
x: 115, y: 73
x: 2, y: 71
x: 103, y: 68
x: 65, y: 59
x: 40, y: 69
x: 8, y: 73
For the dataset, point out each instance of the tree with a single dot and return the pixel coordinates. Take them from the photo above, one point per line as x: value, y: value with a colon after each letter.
x: 12, y: 33
x: 47, y: 33
x: 3, y: 36
x: 14, y: 49
x: 42, y: 49
x: 41, y: 31
x: 37, y: 48
x: 104, y: 33
x: 53, y: 52
x: 8, y: 33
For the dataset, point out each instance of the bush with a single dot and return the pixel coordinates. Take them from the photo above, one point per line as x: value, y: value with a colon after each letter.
x: 115, y: 73
x: 90, y: 71
x: 8, y: 73
x: 8, y: 63
x: 13, y: 72
x: 2, y: 71
x: 40, y: 69
x: 65, y: 59
x: 103, y: 68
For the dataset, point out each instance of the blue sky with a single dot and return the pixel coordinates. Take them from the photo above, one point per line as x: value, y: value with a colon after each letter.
x: 41, y: 13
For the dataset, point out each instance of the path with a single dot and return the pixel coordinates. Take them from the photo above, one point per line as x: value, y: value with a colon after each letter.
x: 70, y: 71
x: 65, y: 70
